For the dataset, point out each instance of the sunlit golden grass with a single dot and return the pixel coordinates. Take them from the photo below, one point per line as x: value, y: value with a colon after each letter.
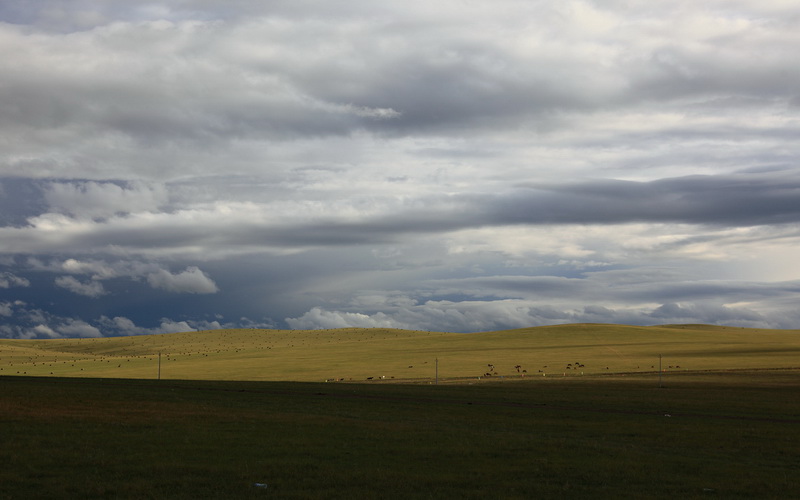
x: 356, y: 354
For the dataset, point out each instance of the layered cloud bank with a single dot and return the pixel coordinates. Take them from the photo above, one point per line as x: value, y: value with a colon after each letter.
x: 439, y: 166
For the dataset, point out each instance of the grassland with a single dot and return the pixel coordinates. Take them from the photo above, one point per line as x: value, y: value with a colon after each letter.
x: 407, y: 356
x: 706, y: 435
x: 584, y: 415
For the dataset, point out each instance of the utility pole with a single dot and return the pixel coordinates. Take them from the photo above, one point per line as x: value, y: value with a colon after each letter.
x: 659, y: 372
x: 159, y: 365
x: 437, y: 371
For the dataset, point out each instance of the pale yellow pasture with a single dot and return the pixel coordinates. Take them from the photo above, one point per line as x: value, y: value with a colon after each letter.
x: 384, y: 355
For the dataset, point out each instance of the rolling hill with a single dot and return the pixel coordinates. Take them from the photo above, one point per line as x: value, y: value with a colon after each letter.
x: 379, y: 354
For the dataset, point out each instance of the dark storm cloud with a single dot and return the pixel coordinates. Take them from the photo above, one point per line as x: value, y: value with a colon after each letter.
x: 731, y: 201
x: 724, y: 200
x: 597, y: 287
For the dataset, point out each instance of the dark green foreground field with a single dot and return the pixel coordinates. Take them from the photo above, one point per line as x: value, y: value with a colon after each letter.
x: 712, y: 435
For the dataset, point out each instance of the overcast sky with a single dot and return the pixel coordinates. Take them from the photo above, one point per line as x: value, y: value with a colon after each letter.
x: 453, y: 165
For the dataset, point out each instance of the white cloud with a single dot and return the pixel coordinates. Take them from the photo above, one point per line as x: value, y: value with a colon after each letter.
x: 192, y: 280
x: 98, y: 269
x: 125, y: 326
x: 78, y: 328
x: 121, y: 325
x: 6, y: 309
x: 169, y: 326
x: 490, y: 315
x: 8, y: 280
x: 39, y: 324
x: 318, y: 318
x: 45, y: 331
x: 89, y: 289
x: 472, y: 316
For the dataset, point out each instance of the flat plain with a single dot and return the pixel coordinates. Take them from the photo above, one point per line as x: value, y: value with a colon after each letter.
x: 726, y: 424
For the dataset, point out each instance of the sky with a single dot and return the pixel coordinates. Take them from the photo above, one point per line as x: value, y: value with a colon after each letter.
x: 453, y: 165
